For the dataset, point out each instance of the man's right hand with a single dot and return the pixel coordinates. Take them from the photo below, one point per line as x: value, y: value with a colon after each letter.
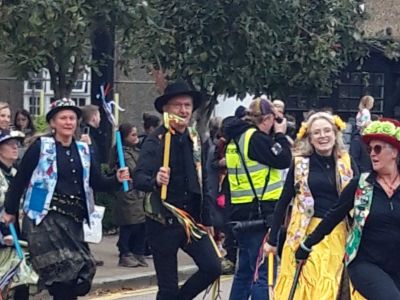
x: 7, y: 218
x: 280, y: 127
x: 162, y: 177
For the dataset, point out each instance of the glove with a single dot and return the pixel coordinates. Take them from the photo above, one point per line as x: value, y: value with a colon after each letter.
x: 302, y: 252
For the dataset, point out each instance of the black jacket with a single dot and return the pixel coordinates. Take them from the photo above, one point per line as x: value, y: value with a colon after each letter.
x: 358, y: 151
x: 184, y: 190
x: 260, y: 150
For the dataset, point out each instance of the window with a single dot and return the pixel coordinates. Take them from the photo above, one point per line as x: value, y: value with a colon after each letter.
x: 81, y: 101
x: 357, y: 84
x: 39, y: 85
x: 35, y: 82
x: 305, y: 103
x: 81, y: 84
x: 34, y: 106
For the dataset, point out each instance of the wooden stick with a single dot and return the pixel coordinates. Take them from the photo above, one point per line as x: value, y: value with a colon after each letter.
x: 167, y: 148
x: 271, y: 275
x: 215, y: 245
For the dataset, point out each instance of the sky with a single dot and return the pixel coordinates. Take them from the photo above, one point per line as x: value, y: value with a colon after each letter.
x: 227, y: 106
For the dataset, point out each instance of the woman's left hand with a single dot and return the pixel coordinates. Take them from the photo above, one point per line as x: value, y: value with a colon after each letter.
x: 123, y: 174
x: 302, y: 253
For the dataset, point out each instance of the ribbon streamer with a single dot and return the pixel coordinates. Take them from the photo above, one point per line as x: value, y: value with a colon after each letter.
x: 107, y: 106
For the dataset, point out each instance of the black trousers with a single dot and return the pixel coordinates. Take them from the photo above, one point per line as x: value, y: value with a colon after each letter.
x: 374, y: 283
x: 21, y: 292
x: 131, y: 239
x: 165, y: 241
x: 230, y: 244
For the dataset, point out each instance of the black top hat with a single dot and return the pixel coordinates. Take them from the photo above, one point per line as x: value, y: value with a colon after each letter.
x: 7, y: 134
x: 63, y: 104
x: 176, y: 89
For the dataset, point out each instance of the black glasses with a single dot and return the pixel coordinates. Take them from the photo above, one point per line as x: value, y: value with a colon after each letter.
x: 377, y: 149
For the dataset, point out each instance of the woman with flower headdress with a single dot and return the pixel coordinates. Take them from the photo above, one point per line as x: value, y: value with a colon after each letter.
x: 321, y: 169
x: 374, y: 242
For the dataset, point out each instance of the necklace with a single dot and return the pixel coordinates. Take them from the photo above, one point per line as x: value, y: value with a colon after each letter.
x: 391, y: 186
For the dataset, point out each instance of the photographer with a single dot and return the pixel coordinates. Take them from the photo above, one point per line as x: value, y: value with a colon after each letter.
x: 256, y: 151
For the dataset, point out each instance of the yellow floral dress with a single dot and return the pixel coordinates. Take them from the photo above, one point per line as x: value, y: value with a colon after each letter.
x: 321, y: 274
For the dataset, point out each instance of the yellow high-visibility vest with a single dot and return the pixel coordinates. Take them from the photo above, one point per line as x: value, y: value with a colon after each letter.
x: 240, y: 188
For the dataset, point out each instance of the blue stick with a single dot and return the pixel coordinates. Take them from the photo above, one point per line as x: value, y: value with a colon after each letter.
x: 121, y: 158
x: 16, y: 242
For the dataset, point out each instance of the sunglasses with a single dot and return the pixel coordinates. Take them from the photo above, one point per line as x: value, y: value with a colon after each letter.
x: 377, y: 149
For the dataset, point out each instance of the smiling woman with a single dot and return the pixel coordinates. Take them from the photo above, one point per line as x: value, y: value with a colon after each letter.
x: 5, y: 115
x: 321, y: 170
x: 374, y: 240
x: 57, y: 176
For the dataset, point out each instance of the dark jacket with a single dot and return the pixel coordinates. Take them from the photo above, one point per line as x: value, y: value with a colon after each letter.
x: 358, y: 152
x: 128, y: 207
x: 184, y: 190
x: 98, y: 146
x: 142, y: 138
x: 260, y: 150
x: 212, y: 173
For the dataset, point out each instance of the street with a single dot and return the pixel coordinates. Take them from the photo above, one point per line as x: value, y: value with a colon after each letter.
x: 150, y: 293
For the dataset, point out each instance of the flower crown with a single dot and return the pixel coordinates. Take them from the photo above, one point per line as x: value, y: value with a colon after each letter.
x: 304, y: 126
x: 383, y: 127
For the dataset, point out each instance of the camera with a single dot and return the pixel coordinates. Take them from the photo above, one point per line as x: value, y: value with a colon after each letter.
x: 86, y: 130
x: 251, y: 225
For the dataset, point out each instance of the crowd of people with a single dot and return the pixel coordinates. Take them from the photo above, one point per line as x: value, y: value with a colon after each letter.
x: 301, y: 197
x: 326, y: 209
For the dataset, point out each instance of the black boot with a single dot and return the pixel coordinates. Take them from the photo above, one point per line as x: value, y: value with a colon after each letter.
x: 21, y: 292
x: 62, y: 291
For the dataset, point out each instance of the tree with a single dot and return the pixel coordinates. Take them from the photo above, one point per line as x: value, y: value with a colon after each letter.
x: 55, y: 34
x: 235, y: 47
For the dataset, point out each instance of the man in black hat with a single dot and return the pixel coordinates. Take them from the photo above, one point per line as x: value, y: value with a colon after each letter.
x: 185, y: 192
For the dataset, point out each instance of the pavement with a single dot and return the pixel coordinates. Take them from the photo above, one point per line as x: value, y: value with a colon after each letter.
x: 110, y: 276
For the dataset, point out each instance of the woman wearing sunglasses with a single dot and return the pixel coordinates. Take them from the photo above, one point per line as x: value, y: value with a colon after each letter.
x: 321, y: 170
x: 374, y: 201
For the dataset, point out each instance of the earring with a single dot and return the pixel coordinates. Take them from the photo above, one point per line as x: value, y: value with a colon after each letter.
x: 53, y: 131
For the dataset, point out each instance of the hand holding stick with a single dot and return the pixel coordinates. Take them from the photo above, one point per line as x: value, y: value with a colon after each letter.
x: 169, y: 119
x: 121, y: 157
